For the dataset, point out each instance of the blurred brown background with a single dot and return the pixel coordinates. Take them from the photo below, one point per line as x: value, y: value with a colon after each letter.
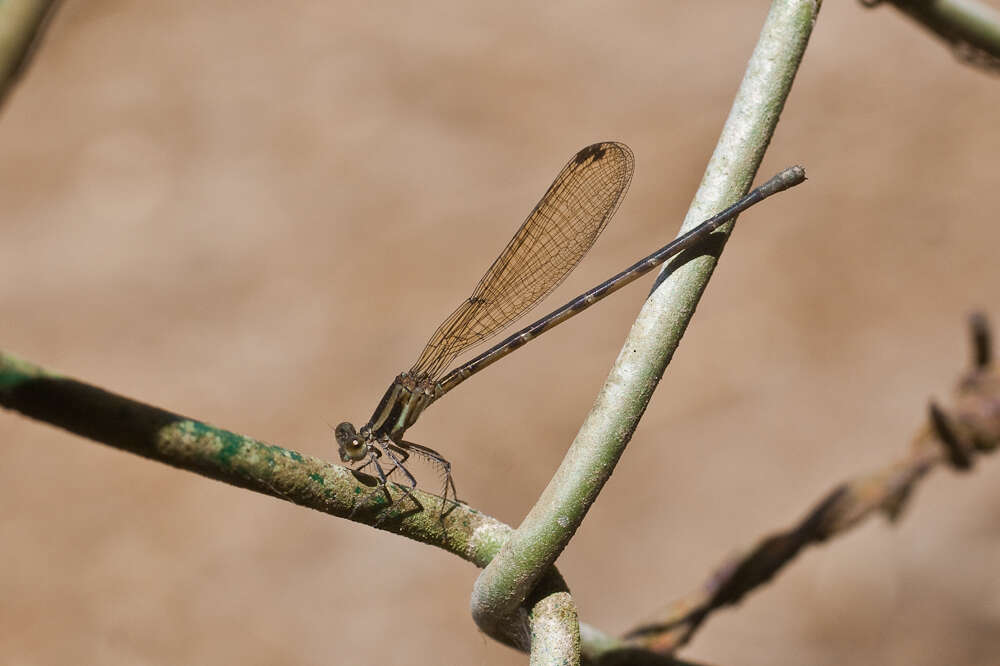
x: 256, y: 213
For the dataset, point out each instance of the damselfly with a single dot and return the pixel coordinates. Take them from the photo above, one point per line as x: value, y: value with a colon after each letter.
x: 553, y: 239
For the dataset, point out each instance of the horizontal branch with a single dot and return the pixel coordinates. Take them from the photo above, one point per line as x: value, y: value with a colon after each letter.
x: 242, y: 461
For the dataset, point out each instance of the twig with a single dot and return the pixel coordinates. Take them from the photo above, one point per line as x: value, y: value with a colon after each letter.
x: 501, y: 590
x: 242, y: 461
x: 953, y: 437
x: 239, y: 460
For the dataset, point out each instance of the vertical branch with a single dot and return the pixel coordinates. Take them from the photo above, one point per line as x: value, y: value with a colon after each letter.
x: 505, y: 584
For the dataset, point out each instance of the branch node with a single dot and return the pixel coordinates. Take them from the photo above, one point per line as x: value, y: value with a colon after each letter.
x: 949, y: 437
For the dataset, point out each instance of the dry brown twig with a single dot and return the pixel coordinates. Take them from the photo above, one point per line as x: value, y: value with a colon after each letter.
x: 953, y: 436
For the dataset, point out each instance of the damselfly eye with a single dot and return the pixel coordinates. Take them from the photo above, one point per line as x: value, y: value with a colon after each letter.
x: 351, y: 446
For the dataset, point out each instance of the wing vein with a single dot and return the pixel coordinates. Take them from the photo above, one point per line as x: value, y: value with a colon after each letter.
x: 553, y: 239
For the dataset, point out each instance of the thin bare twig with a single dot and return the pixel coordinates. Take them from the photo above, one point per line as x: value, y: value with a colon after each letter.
x: 952, y: 436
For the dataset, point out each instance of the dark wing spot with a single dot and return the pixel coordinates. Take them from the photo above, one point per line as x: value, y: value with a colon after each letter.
x: 593, y: 152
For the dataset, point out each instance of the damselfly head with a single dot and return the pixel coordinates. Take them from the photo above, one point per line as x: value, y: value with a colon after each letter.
x: 352, y: 446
